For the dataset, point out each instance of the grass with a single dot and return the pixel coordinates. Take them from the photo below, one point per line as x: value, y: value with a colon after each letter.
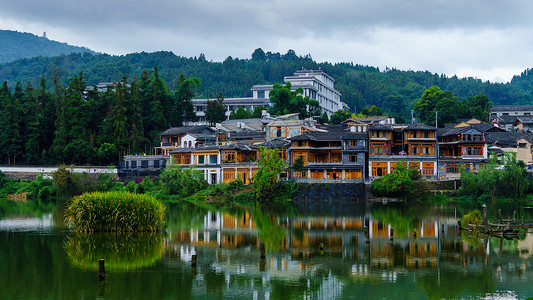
x: 115, y: 211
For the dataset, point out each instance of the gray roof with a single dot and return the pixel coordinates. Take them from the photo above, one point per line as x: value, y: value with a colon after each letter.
x: 186, y: 129
x: 508, y: 138
x: 330, y: 136
x: 279, y: 143
x: 525, y: 119
x: 401, y: 127
x: 512, y: 108
x: 483, y: 128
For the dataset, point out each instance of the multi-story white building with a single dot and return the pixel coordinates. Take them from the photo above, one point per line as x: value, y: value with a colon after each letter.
x: 316, y: 85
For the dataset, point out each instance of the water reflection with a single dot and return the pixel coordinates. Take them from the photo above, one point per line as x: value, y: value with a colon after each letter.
x: 437, y: 264
x: 121, y: 251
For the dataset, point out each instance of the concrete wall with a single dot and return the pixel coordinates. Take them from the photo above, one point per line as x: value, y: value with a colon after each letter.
x: 330, y: 193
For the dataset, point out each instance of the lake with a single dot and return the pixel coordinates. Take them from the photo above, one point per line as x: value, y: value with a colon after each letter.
x: 310, y: 254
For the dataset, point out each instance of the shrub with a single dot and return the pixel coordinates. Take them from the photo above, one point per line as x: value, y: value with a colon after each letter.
x: 115, y: 211
x: 396, y: 183
x: 473, y: 217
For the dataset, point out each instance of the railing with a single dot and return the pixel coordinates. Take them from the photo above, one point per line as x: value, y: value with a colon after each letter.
x: 316, y: 180
x: 324, y: 163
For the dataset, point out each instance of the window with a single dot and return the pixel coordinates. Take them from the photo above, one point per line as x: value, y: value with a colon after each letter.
x: 213, y: 159
x: 156, y: 163
x: 353, y: 158
x: 260, y: 94
x: 426, y: 134
x: 201, y: 159
x: 133, y: 164
x: 353, y: 143
x: 293, y: 132
x: 278, y: 132
x: 127, y: 165
x: 378, y: 150
x: 144, y: 164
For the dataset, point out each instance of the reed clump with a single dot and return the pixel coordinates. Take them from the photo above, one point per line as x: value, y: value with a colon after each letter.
x: 115, y: 211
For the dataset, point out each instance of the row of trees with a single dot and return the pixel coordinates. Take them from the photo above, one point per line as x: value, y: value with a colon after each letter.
x: 361, y: 86
x: 79, y: 126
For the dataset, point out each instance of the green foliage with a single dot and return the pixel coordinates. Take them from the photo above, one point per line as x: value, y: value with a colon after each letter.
x: 473, y: 217
x: 397, y: 183
x: 121, y: 251
x: 266, y: 183
x: 487, y: 182
x: 215, y: 111
x: 435, y: 100
x: 241, y: 113
x: 115, y: 211
x: 373, y: 111
x: 298, y: 165
x: 183, y: 183
x: 285, y: 101
x: 340, y: 116
x: 324, y: 119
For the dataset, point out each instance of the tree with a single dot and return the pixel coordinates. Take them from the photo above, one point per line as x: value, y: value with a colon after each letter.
x: 284, y: 101
x: 183, y: 108
x: 266, y: 184
x: 241, y: 113
x: 340, y: 116
x: 435, y: 100
x: 477, y: 107
x: 397, y: 183
x: 324, y: 119
x: 10, y: 114
x: 259, y: 55
x: 373, y: 111
x: 258, y: 112
x: 215, y: 111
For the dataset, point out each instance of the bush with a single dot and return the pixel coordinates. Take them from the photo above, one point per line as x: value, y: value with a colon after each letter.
x: 396, y: 183
x: 473, y: 217
x: 115, y: 211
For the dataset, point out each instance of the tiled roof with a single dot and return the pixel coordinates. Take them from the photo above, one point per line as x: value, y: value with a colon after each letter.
x: 525, y: 119
x: 279, y: 143
x: 512, y: 108
x: 508, y: 138
x: 330, y: 136
x: 185, y: 129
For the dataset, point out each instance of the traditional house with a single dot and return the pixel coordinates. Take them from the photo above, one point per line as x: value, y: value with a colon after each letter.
x: 239, y: 162
x: 463, y: 147
x: 523, y: 124
x: 205, y: 159
x: 515, y: 142
x: 171, y: 138
x: 413, y: 144
x: 287, y: 126
x: 328, y: 156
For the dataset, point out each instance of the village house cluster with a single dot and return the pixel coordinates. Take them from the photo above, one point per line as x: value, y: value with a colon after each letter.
x: 358, y: 150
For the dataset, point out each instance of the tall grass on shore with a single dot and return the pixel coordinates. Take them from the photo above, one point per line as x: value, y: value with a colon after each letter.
x: 115, y: 211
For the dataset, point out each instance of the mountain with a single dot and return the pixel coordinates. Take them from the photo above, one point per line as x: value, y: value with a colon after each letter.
x: 16, y: 45
x: 361, y: 86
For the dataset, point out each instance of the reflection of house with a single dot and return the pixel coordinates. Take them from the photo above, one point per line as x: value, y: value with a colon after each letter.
x: 413, y: 144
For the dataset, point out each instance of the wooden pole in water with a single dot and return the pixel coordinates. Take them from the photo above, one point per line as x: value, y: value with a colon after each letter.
x: 193, y: 260
x: 101, y: 270
x: 367, y: 235
x: 391, y: 231
x: 442, y: 228
x: 262, y: 250
x: 414, y: 233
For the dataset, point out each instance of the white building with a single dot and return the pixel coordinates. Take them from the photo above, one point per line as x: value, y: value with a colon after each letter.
x: 316, y: 85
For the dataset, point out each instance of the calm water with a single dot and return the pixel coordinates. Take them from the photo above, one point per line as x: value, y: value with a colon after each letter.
x: 40, y: 259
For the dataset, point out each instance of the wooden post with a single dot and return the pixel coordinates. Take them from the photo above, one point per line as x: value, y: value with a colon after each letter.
x: 391, y: 233
x: 500, y: 214
x: 101, y: 270
x: 459, y: 224
x: 414, y: 233
x: 193, y: 260
x: 442, y: 228
x: 367, y: 235
x: 262, y: 265
x: 262, y: 250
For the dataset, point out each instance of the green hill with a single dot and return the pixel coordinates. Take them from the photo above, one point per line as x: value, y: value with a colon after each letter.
x: 361, y: 86
x: 16, y: 45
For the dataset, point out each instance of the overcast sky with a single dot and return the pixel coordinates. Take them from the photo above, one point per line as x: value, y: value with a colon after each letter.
x: 491, y: 39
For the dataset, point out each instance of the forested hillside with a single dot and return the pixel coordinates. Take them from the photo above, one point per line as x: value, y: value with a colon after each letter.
x: 361, y: 86
x: 16, y: 45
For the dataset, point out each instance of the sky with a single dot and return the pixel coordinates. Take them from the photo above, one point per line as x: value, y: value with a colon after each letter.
x: 489, y: 40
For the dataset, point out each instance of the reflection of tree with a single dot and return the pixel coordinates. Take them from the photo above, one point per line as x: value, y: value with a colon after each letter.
x: 30, y: 208
x: 270, y: 232
x: 450, y: 284
x: 185, y: 215
x: 401, y: 222
x: 124, y: 251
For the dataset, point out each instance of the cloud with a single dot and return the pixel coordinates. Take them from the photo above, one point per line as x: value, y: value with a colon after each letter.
x: 442, y: 36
